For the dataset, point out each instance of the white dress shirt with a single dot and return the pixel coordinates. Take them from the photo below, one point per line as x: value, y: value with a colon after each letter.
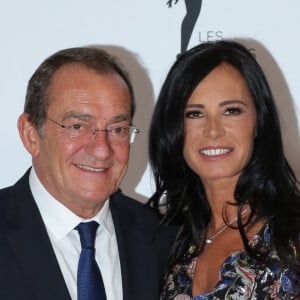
x: 60, y: 223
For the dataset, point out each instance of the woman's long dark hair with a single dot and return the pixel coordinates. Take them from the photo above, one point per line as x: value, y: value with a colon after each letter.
x: 267, y: 182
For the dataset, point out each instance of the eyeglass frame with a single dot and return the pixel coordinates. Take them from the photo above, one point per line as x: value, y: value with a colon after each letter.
x: 95, y: 131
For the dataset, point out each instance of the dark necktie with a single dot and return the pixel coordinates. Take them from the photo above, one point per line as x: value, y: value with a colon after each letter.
x: 89, y: 280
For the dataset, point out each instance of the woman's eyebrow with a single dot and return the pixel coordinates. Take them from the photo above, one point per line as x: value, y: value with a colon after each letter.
x: 228, y: 102
x: 195, y: 105
x: 223, y: 103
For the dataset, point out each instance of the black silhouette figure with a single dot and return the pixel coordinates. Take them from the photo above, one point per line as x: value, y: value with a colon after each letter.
x: 193, y: 8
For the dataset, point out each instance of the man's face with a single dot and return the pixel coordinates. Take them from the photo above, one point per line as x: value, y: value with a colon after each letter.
x: 82, y: 173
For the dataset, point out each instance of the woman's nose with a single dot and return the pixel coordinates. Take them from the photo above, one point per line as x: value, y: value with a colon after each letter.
x: 213, y: 128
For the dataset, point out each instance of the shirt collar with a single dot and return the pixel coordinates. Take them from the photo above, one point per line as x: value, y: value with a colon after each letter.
x: 58, y: 218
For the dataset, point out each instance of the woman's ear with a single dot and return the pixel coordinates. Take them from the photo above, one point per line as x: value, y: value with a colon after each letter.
x: 29, y: 134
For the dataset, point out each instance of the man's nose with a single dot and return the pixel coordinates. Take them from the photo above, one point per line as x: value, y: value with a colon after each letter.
x: 99, y: 146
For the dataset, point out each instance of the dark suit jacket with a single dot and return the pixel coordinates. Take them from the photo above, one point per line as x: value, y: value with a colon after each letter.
x: 28, y: 266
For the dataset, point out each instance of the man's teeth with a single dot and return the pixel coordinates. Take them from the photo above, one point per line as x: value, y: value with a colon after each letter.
x: 214, y: 152
x: 90, y: 168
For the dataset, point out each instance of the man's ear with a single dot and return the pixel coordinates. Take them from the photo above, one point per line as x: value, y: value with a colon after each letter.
x: 29, y: 135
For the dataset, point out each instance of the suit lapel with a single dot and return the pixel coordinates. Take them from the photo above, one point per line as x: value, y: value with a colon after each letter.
x: 134, y: 250
x: 32, y: 248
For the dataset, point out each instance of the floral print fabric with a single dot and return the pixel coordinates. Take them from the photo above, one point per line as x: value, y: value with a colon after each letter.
x: 241, y: 277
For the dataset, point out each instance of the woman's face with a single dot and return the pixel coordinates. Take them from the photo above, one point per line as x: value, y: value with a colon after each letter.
x: 219, y: 125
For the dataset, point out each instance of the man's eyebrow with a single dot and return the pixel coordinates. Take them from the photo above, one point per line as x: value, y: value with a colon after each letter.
x: 88, y: 117
x: 120, y: 118
x: 77, y: 115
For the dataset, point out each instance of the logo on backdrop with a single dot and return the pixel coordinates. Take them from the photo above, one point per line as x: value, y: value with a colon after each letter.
x: 193, y: 9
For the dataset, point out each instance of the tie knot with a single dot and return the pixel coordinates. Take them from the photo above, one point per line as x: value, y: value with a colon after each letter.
x: 87, y: 233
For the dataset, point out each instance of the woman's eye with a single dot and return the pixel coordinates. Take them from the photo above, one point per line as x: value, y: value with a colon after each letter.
x: 233, y: 111
x: 194, y: 114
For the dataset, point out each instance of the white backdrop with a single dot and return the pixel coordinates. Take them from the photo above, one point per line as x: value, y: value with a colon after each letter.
x: 146, y: 36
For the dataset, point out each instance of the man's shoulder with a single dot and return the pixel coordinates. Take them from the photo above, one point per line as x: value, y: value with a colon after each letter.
x: 22, y: 183
x: 140, y: 215
x: 7, y: 194
x: 13, y: 196
x: 129, y: 205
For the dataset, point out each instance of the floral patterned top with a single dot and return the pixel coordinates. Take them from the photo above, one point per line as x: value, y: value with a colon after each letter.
x: 241, y: 277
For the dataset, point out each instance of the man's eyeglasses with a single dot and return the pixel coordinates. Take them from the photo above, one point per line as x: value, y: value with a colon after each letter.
x: 86, y: 132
